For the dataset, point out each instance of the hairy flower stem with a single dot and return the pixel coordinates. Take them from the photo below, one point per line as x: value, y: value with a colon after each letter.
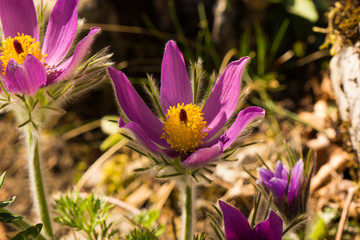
x: 188, y: 210
x: 36, y: 178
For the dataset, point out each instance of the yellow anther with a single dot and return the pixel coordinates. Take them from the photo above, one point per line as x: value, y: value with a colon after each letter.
x: 184, y: 128
x: 18, y: 48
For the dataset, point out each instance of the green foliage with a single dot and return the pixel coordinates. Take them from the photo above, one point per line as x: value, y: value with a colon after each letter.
x: 320, y: 230
x: 302, y: 8
x: 109, y: 125
x: 7, y: 217
x: 215, y: 225
x: 141, y: 234
x: 115, y: 175
x: 326, y: 224
x: 85, y: 214
x: 201, y: 236
x: 148, y: 220
x: 29, y: 233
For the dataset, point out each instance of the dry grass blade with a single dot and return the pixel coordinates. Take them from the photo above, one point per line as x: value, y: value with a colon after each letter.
x: 80, y: 130
x: 100, y: 161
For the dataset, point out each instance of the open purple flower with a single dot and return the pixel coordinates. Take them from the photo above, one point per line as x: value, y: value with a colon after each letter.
x: 237, y: 226
x: 193, y: 132
x: 26, y: 64
x: 277, y: 182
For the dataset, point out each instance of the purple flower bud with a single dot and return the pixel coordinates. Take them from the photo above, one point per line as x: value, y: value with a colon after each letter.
x: 289, y: 188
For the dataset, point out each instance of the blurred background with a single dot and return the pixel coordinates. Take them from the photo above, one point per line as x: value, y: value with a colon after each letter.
x: 288, y: 76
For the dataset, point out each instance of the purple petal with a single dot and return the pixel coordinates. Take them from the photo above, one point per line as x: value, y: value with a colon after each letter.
x: 270, y: 229
x: 235, y: 224
x: 80, y: 52
x: 204, y: 155
x: 25, y: 78
x: 244, y: 117
x: 281, y: 171
x: 19, y: 16
x: 295, y: 182
x: 61, y: 31
x: 265, y: 174
x: 224, y: 97
x: 140, y: 135
x: 175, y: 83
x: 278, y: 188
x: 135, y: 108
x: 171, y: 153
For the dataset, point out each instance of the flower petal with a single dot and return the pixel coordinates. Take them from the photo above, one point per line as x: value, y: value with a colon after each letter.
x: 244, y: 117
x: 278, y: 188
x: 19, y: 16
x: 135, y: 108
x: 82, y: 49
x: 175, y: 83
x: 140, y: 135
x: 61, y: 31
x: 270, y: 229
x: 235, y: 224
x: 295, y: 182
x: 281, y: 171
x: 204, y: 155
x: 265, y: 174
x: 25, y: 78
x: 224, y: 97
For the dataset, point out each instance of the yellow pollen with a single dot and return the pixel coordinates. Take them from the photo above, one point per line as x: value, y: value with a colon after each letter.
x: 18, y: 48
x: 184, y: 128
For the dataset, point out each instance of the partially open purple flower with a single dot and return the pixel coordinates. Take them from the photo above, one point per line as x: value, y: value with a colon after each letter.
x: 290, y: 190
x: 237, y: 226
x: 193, y: 132
x: 26, y: 62
x: 277, y: 182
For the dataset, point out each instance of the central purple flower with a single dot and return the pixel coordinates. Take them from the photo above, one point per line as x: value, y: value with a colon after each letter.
x: 237, y: 226
x: 27, y: 65
x: 193, y: 132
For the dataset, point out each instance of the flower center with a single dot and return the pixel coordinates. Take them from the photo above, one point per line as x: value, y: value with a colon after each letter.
x: 184, y: 128
x: 18, y: 48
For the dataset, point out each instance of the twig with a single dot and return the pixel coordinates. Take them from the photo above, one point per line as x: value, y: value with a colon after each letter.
x: 80, y: 130
x: 345, y: 213
x: 99, y: 162
x: 116, y: 202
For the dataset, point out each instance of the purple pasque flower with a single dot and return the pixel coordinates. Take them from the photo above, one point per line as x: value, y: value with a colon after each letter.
x: 193, y: 132
x: 26, y: 62
x: 284, y: 188
x: 237, y: 226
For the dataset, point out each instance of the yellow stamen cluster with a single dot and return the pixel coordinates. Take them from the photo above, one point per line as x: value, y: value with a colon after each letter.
x: 18, y: 48
x: 184, y: 128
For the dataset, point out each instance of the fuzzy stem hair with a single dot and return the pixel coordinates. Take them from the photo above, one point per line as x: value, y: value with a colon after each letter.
x: 36, y: 178
x: 188, y: 210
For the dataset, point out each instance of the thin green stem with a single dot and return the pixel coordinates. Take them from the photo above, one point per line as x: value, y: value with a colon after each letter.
x: 36, y: 180
x: 188, y: 210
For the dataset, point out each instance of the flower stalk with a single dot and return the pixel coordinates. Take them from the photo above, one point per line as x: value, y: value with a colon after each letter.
x: 36, y: 178
x: 188, y: 210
